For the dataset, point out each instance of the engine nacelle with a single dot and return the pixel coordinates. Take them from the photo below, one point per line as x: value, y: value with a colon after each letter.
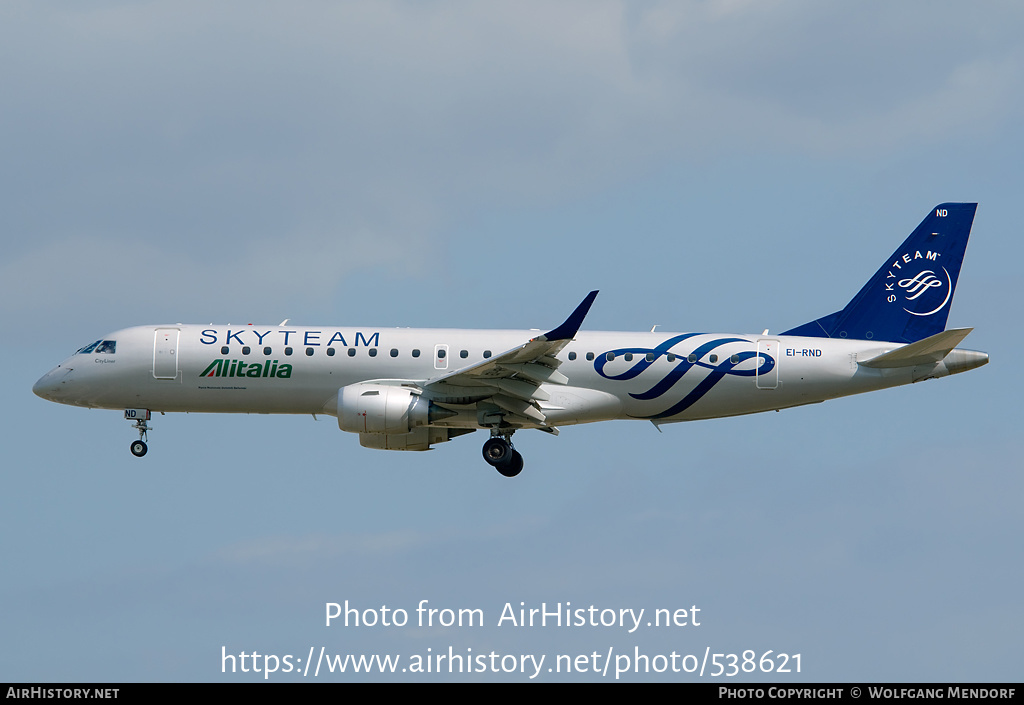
x: 419, y: 439
x: 380, y: 408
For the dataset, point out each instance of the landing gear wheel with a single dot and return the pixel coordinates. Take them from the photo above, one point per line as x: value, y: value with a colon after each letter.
x: 513, y: 466
x: 497, y: 451
x: 140, y: 417
x: 500, y: 454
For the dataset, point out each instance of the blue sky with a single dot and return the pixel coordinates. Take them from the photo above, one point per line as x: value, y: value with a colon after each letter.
x: 709, y: 166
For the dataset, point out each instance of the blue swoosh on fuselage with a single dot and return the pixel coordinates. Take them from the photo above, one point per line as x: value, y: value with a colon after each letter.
x: 662, y: 386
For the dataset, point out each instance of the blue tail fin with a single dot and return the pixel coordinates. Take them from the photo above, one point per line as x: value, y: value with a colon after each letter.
x: 908, y: 299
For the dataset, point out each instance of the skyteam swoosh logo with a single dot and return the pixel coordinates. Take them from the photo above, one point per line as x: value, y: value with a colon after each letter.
x: 928, y: 291
x: 699, y: 358
x: 922, y: 284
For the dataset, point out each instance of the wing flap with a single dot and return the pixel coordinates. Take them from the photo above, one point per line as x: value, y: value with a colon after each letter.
x: 526, y: 391
x: 541, y: 374
x: 518, y: 406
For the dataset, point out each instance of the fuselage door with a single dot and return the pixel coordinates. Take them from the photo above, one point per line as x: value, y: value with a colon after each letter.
x: 440, y: 357
x: 769, y: 378
x: 165, y: 353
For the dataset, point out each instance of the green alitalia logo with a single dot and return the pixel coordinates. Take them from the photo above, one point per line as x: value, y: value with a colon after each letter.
x: 240, y: 368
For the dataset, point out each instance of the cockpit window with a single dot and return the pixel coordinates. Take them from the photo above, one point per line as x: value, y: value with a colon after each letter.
x: 100, y: 346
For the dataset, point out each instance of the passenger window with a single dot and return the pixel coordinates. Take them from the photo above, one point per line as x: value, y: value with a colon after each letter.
x: 487, y: 353
x: 287, y: 351
x: 331, y: 352
x: 441, y: 352
x: 416, y: 352
x: 246, y: 350
x: 224, y: 350
x: 734, y: 359
x: 629, y: 357
x: 394, y: 352
x: 650, y: 357
x: 267, y: 352
x: 373, y: 352
x: 670, y: 357
x: 691, y: 358
x: 572, y: 356
x: 714, y: 358
x: 351, y: 352
x: 464, y: 354
x: 309, y: 352
x: 590, y: 356
x: 609, y: 356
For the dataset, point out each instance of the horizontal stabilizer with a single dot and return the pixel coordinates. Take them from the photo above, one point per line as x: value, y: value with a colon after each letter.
x: 923, y: 352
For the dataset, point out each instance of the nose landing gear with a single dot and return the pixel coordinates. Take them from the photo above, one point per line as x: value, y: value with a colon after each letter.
x: 140, y: 417
x: 500, y: 454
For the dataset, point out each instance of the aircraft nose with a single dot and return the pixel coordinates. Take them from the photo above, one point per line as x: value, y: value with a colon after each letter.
x: 50, y: 385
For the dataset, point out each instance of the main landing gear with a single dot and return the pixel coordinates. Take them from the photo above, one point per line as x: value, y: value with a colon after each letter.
x: 140, y: 417
x: 498, y: 451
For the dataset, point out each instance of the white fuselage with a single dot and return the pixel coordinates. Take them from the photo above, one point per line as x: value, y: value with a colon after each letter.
x: 663, y: 377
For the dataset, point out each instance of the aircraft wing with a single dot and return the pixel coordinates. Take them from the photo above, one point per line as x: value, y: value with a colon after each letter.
x: 506, y: 387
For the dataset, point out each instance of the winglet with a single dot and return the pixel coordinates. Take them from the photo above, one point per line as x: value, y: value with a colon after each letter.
x: 572, y: 324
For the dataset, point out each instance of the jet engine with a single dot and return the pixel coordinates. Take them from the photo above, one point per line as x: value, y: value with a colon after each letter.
x: 380, y: 408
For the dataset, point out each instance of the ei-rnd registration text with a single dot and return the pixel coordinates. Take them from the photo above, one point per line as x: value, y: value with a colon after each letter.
x: 610, y: 663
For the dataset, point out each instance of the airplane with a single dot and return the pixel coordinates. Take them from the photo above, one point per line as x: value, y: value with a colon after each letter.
x: 410, y: 389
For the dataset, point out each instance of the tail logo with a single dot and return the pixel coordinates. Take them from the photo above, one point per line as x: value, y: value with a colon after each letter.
x: 921, y: 283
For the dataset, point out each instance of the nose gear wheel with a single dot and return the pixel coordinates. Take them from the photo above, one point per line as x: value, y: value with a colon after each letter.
x: 139, y: 447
